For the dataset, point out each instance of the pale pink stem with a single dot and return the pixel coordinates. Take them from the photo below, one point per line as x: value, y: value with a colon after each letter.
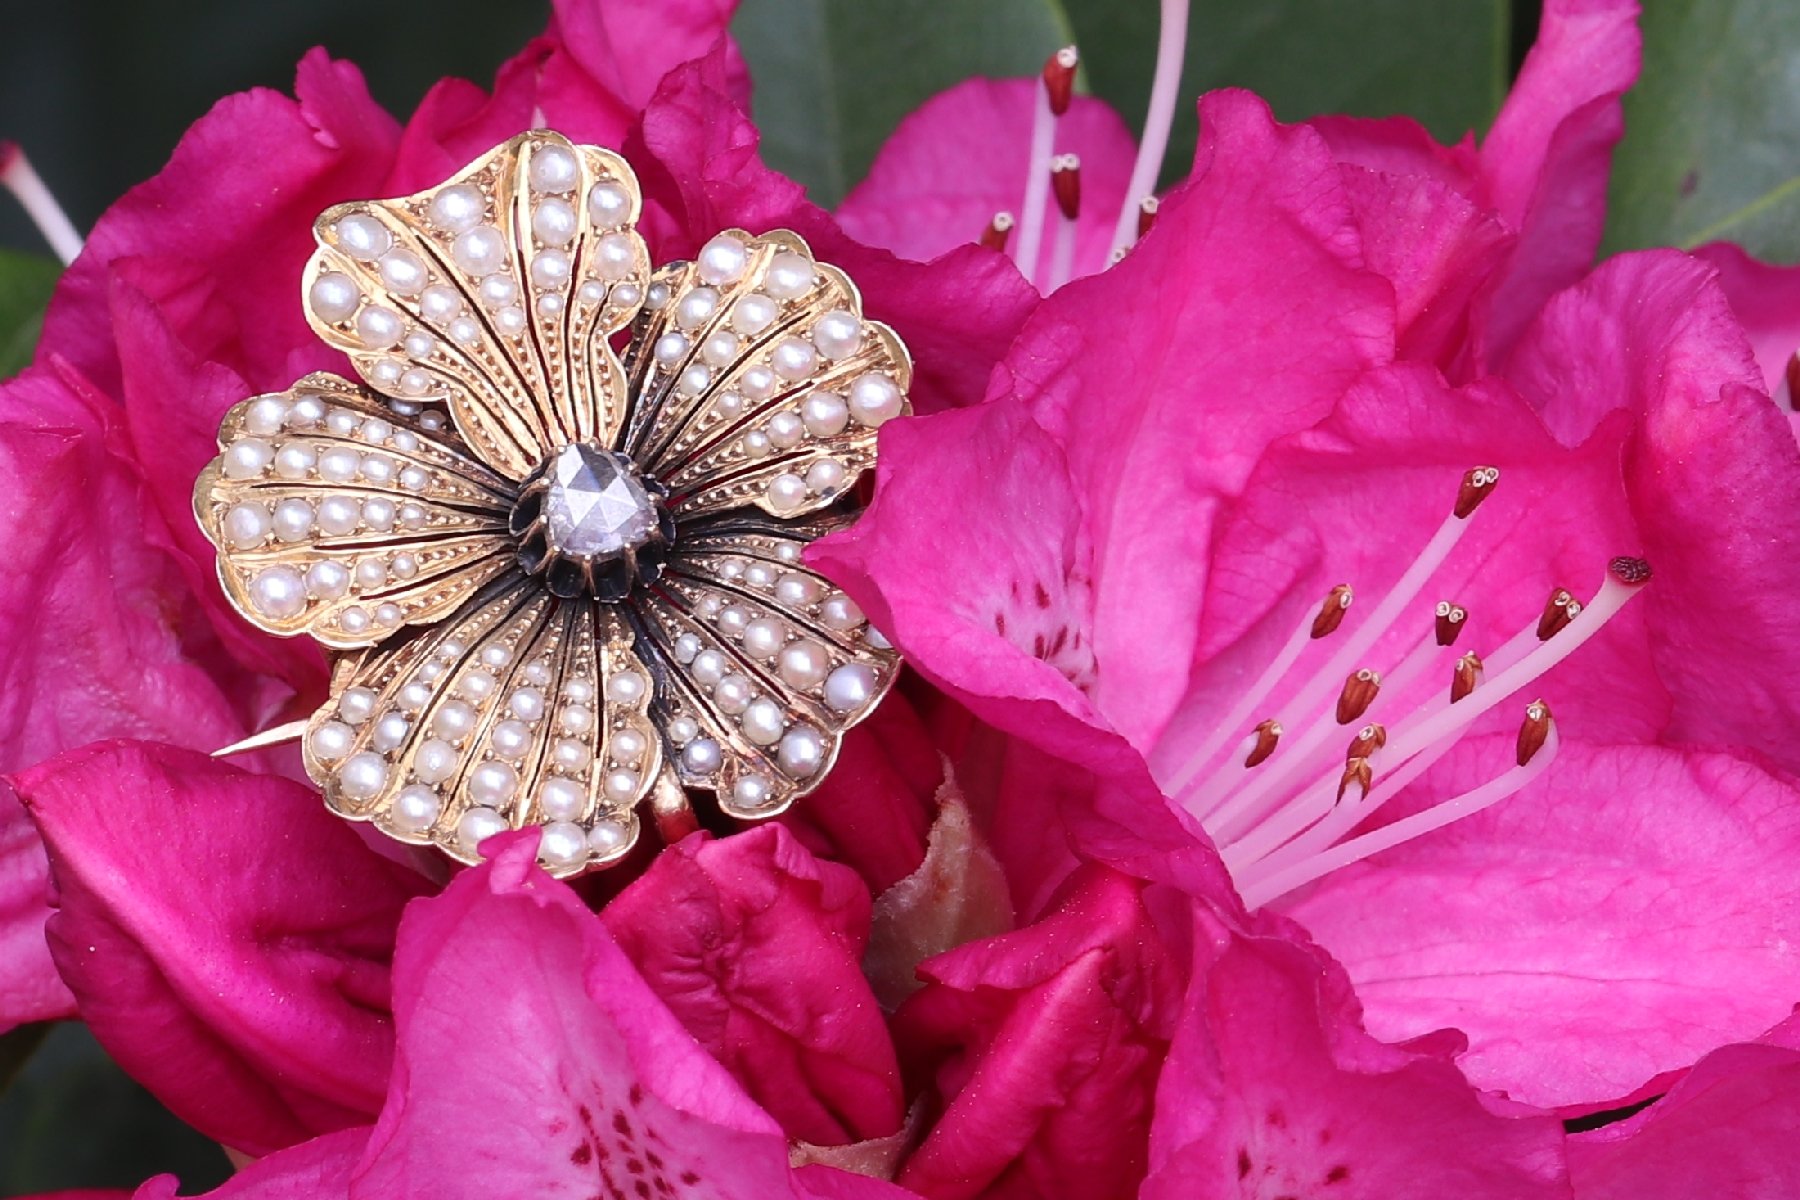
x: 1062, y: 254
x: 1171, y: 51
x: 18, y: 178
x: 1037, y: 186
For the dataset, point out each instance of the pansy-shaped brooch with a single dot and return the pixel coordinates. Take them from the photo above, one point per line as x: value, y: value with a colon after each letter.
x: 559, y: 580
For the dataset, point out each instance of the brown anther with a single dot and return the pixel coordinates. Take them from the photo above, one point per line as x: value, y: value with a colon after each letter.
x: 1368, y: 740
x: 1559, y: 610
x: 1065, y: 184
x: 1357, y: 773
x: 1793, y: 380
x: 1117, y: 255
x: 1059, y: 78
x: 1147, y: 214
x: 1466, y: 677
x: 1633, y: 572
x: 1268, y: 734
x: 1534, y: 732
x: 994, y: 236
x: 1331, y: 612
x: 1477, y: 485
x: 1360, y: 689
x: 1450, y: 619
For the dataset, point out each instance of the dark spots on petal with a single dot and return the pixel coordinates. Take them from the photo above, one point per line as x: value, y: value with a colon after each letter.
x: 655, y: 1161
x: 689, y: 1179
x: 1039, y: 647
x: 1277, y: 1119
x: 637, y: 1095
x: 635, y: 1165
x: 582, y: 1155
x: 621, y: 1123
x: 1244, y: 1163
x: 587, y: 1117
x: 1337, y: 1174
x: 1000, y: 624
x: 1043, y: 595
x: 642, y: 1189
x: 1061, y: 640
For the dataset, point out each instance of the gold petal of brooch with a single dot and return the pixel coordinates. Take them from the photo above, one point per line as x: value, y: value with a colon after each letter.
x: 560, y: 580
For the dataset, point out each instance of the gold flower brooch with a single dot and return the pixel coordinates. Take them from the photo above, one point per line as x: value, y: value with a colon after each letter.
x: 558, y: 580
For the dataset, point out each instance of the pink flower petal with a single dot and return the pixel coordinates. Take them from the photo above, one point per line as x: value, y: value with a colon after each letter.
x: 1273, y: 1089
x: 226, y: 936
x: 315, y: 1170
x: 757, y: 947
x: 1045, y: 1044
x: 1633, y: 909
x: 1766, y: 300
x: 963, y: 156
x: 30, y: 988
x: 533, y: 1060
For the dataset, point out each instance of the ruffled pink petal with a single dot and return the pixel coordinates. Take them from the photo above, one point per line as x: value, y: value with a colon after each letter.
x: 30, y: 988
x: 628, y: 46
x: 1044, y: 1045
x: 757, y: 947
x: 1630, y: 911
x: 1273, y: 1089
x: 964, y: 155
x: 533, y: 1060
x: 227, y: 938
x: 1766, y: 301
x: 1547, y: 159
x: 1400, y: 146
x: 957, y: 315
x: 315, y: 1170
x: 1728, y: 1129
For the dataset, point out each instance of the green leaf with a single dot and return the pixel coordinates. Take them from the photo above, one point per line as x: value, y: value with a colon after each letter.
x: 834, y: 77
x: 1712, y: 130
x: 1444, y: 62
x: 25, y: 283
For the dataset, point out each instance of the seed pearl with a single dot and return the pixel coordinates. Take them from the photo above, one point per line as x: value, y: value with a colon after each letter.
x: 786, y: 430
x: 804, y: 664
x: 614, y: 257
x: 838, y: 334
x: 709, y: 606
x: 387, y: 371
x: 733, y: 693
x: 788, y: 552
x: 553, y: 169
x: 342, y: 422
x: 327, y: 580
x: 553, y: 221
x: 627, y: 745
x: 802, y: 752
x: 825, y: 476
x: 480, y: 251
x: 405, y: 440
x: 415, y: 809
x: 723, y: 259
x: 763, y: 637
x: 331, y: 741
x: 293, y: 520
x: 840, y: 612
x: 378, y: 513
x: 415, y: 696
x: 339, y: 515
x: 278, y: 592
x: 562, y: 845
x: 694, y: 380
x: 440, y: 303
x: 418, y: 345
x: 496, y: 290
x: 363, y: 775
x: 790, y: 275
x: 793, y: 359
x: 627, y: 687
x: 295, y: 460
x: 537, y: 674
x: 696, y: 308
x: 593, y: 291
x: 356, y: 705
x: 570, y: 756
x: 464, y: 330
x: 476, y: 826
x: 413, y: 516
x: 363, y: 238
x: 379, y: 327
x: 247, y: 525
x: 608, y: 205
x: 453, y: 721
x: 307, y: 412
x: 388, y: 615
x: 457, y: 208
x: 669, y: 348
x: 720, y: 350
x: 750, y: 791
x: 799, y: 591
x: 763, y: 721
x: 492, y: 782
x: 510, y: 319
x: 339, y: 464
x: 708, y: 667
x: 686, y: 647
x: 247, y: 458
x: 759, y: 575
x: 414, y: 479
x: 786, y: 492
x: 701, y: 757
x: 683, y: 730
x: 575, y: 718
x: 732, y: 619
x: 620, y: 786
x: 377, y: 469
x: 431, y: 670
x: 264, y: 416
x: 877, y: 639
x: 753, y: 314
x: 403, y: 272
x: 550, y: 269
x: 477, y: 686
x: 607, y: 838
x: 825, y: 414
x: 756, y: 443
x: 435, y: 760
x: 561, y: 799
x: 758, y: 383
x: 578, y: 690
x: 510, y: 738
x: 390, y: 731
x: 875, y: 399
x: 849, y: 687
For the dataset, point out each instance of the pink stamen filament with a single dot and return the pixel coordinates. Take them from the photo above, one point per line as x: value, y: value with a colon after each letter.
x: 23, y: 182
x: 1037, y: 186
x: 1062, y: 255
x: 1403, y: 830
x: 1171, y: 51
